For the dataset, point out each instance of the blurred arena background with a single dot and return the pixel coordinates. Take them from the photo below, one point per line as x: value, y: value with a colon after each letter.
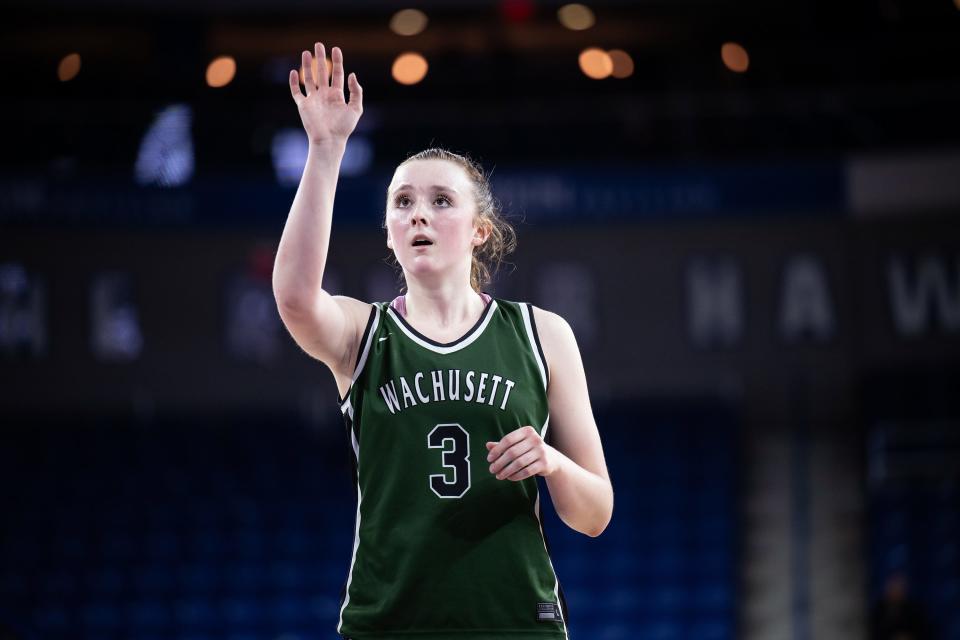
x: 747, y: 211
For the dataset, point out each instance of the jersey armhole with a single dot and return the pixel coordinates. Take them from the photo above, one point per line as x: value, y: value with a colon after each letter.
x: 534, y: 338
x: 365, y: 340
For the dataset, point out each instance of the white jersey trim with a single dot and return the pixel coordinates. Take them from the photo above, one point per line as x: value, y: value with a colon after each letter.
x: 543, y: 429
x: 356, y: 444
x: 366, y: 347
x: 356, y: 545
x: 556, y: 579
x: 528, y: 325
x: 362, y: 361
x: 347, y: 408
x: 462, y: 343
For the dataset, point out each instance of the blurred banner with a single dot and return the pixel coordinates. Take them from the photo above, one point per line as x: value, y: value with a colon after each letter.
x: 103, y: 321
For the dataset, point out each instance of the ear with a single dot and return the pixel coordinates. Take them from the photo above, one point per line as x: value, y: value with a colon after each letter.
x: 481, y: 233
x: 389, y: 240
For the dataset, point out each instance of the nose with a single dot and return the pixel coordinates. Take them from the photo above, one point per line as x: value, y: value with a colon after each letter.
x: 418, y: 216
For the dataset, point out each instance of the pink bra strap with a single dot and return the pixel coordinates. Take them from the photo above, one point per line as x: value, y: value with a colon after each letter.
x: 399, y: 305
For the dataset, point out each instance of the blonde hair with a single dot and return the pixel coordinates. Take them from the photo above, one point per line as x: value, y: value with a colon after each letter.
x: 502, y: 240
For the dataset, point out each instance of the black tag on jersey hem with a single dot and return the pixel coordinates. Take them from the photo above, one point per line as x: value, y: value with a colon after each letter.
x: 548, y: 612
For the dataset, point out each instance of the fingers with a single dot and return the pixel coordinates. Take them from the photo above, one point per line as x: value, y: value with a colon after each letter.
x: 509, y: 456
x: 337, y: 57
x: 309, y: 83
x: 511, y: 439
x: 322, y: 71
x: 295, y: 86
x: 533, y: 469
x: 356, y: 92
x: 314, y: 79
x: 518, y: 465
x: 519, y: 454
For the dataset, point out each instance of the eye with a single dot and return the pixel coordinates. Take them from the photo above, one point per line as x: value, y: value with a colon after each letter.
x: 403, y: 200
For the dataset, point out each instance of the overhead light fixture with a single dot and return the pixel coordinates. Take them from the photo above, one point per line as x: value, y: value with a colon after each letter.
x: 596, y: 63
x: 577, y: 17
x: 622, y: 63
x: 221, y: 71
x: 735, y: 57
x: 408, y: 22
x: 409, y: 68
x: 69, y: 67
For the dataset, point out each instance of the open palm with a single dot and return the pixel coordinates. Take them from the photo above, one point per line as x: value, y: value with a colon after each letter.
x: 326, y: 115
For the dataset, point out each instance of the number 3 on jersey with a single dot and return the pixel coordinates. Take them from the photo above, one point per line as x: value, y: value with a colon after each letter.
x: 455, y: 443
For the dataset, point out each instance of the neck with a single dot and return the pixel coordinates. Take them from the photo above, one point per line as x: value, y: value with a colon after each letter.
x: 447, y: 305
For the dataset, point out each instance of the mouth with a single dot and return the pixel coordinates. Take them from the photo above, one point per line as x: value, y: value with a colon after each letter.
x: 422, y: 242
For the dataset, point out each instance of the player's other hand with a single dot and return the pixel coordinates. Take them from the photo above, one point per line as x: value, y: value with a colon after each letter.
x: 521, y: 454
x: 327, y: 117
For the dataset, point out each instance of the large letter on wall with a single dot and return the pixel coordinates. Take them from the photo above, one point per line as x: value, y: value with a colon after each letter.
x: 714, y: 302
x: 805, y: 308
x: 912, y: 299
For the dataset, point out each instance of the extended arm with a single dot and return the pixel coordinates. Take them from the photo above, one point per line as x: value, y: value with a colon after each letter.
x: 325, y: 326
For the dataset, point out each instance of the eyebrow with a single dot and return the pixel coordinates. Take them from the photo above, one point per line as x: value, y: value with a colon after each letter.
x: 436, y: 187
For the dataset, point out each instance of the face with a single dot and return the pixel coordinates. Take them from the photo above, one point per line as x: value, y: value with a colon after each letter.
x: 433, y: 200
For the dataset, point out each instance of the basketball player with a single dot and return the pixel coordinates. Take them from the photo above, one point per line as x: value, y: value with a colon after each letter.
x: 448, y: 394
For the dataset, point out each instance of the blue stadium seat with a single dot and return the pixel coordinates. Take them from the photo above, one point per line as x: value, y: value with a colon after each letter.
x: 244, y: 529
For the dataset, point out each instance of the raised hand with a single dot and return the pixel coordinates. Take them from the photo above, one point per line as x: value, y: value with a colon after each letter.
x: 327, y: 117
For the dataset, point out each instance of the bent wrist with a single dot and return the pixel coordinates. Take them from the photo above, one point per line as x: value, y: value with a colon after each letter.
x: 558, y: 466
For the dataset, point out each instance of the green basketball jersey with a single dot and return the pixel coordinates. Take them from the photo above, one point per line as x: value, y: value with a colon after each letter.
x: 442, y: 548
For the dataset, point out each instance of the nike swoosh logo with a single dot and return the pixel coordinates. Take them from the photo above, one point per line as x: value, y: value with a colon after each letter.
x: 384, y: 338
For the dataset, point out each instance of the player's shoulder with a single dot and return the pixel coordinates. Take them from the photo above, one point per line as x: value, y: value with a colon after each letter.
x: 358, y: 311
x: 353, y: 303
x: 547, y: 324
x: 554, y: 336
x: 552, y: 327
